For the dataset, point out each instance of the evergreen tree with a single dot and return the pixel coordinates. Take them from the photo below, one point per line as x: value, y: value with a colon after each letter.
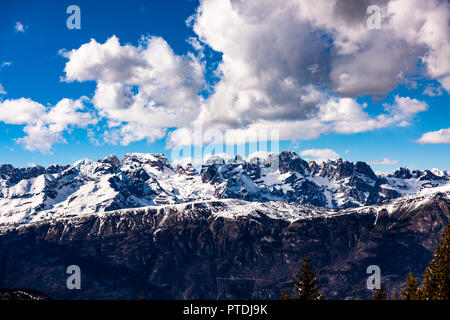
x: 305, y: 284
x: 285, y: 295
x: 379, y: 294
x: 410, y: 289
x: 396, y: 297
x: 436, y: 279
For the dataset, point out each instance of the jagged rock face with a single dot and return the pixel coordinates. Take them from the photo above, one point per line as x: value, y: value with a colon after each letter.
x: 311, y: 194
x: 402, y: 173
x: 339, y: 170
x: 290, y: 161
x: 195, y: 237
x: 139, y: 180
x: 223, y: 249
x: 10, y: 175
x: 112, y: 160
x: 425, y: 175
x: 189, y: 170
x: 209, y: 174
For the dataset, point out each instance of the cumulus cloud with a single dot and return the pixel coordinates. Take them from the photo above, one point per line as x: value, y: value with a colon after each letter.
x: 345, y: 115
x: 133, y: 131
x: 20, y: 111
x: 141, y: 89
x: 425, y: 23
x: 184, y: 161
x: 267, y: 72
x: 5, y: 64
x: 299, y: 68
x: 44, y: 126
x: 266, y: 63
x: 384, y: 161
x: 411, y: 31
x: 259, y: 154
x: 432, y: 91
x: 19, y: 27
x: 268, y: 77
x: 320, y: 155
x: 435, y: 137
x: 199, y: 160
x: 334, y: 115
x: 445, y: 82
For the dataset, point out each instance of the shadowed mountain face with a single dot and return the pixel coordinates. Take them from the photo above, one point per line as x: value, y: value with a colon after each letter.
x: 224, y: 249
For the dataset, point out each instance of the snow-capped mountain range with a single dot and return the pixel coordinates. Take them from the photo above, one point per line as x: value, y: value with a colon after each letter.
x: 140, y: 180
x: 235, y: 229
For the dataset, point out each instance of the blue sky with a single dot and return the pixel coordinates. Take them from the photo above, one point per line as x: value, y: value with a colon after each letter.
x: 33, y: 33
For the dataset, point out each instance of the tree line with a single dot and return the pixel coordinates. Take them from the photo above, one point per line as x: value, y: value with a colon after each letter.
x: 435, y: 284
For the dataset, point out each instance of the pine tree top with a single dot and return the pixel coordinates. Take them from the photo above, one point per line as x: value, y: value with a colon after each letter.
x: 436, y: 279
x: 379, y: 294
x: 411, y: 289
x: 305, y: 283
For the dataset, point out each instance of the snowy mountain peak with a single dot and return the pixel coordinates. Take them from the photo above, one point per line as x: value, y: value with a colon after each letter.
x: 139, y: 179
x: 111, y: 159
x: 440, y: 173
x: 290, y: 161
x: 402, y: 173
x: 215, y: 160
x: 145, y: 158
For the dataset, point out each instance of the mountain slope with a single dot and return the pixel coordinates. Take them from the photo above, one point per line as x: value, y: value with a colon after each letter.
x: 232, y: 230
x: 139, y: 180
x: 224, y: 249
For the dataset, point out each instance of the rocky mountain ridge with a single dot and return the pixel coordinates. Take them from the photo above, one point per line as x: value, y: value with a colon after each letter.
x: 140, y: 180
x: 224, y: 249
x: 234, y: 229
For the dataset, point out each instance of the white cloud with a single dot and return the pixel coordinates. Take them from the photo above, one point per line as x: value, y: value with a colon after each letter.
x: 21, y: 111
x: 320, y: 155
x: 196, y: 162
x: 266, y: 66
x: 298, y: 67
x: 5, y: 64
x: 44, y: 126
x: 432, y: 91
x: 384, y: 161
x: 425, y: 23
x: 258, y: 154
x: 268, y: 77
x: 143, y: 89
x: 374, y: 61
x: 202, y: 158
x: 19, y: 27
x: 435, y: 137
x: 264, y: 72
x: 445, y: 82
x: 40, y: 137
x: 335, y: 115
x: 405, y: 106
x: 347, y: 116
x: 133, y: 131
